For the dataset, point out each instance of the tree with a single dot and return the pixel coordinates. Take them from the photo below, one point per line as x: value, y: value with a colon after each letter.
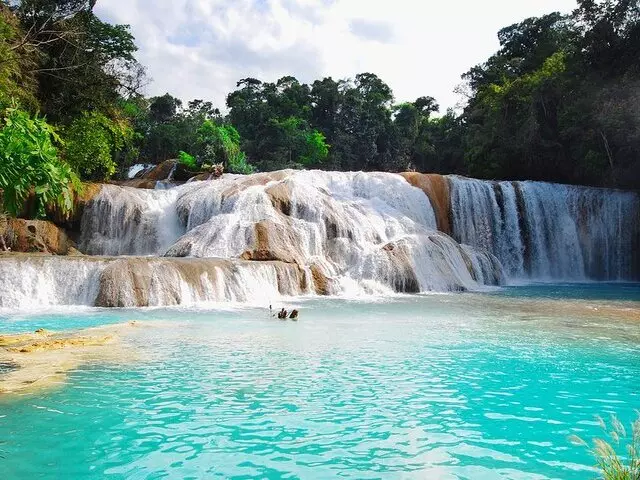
x: 93, y: 143
x: 31, y: 173
x: 17, y: 63
x: 83, y: 63
x: 221, y: 144
x: 164, y: 109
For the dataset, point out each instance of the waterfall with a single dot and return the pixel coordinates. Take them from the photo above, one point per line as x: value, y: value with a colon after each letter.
x: 130, y: 221
x: 545, y: 231
x: 344, y: 224
x: 40, y: 281
x: 259, y: 237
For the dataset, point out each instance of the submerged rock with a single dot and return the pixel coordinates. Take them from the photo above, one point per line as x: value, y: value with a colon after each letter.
x: 42, y: 359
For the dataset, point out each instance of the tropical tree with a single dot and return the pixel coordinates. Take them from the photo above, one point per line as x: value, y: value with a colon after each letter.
x: 32, y: 175
x: 93, y: 144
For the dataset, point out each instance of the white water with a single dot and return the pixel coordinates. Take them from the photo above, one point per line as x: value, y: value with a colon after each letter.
x: 39, y: 282
x: 366, y: 233
x: 337, y: 221
x: 554, y: 232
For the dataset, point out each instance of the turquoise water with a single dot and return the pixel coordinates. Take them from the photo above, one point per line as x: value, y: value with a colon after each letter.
x: 468, y: 386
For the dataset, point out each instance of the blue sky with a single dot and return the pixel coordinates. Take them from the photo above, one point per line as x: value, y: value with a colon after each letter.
x: 201, y: 48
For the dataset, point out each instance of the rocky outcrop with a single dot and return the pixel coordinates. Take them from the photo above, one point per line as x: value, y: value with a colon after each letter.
x: 403, y: 277
x: 436, y: 187
x: 162, y: 171
x: 275, y: 241
x: 125, y: 283
x: 71, y: 220
x: 280, y: 196
x: 144, y: 183
x: 19, y: 235
x: 167, y: 170
x: 142, y: 282
x: 321, y: 283
x: 255, y: 180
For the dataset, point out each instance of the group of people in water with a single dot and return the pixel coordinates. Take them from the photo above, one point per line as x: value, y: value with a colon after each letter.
x: 283, y: 314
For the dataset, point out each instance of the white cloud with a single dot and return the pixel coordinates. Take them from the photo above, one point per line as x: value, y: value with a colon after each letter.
x: 201, y: 48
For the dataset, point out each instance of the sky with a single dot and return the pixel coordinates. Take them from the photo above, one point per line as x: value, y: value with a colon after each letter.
x: 201, y: 48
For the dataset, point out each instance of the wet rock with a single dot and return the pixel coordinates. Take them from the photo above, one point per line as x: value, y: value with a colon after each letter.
x: 71, y: 220
x: 140, y: 282
x: 19, y: 235
x: 162, y: 171
x: 321, y: 283
x: 280, y: 196
x: 436, y: 187
x: 125, y: 283
x: 274, y: 241
x: 403, y: 277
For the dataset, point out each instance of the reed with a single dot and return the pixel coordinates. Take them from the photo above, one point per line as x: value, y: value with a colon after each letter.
x: 613, y: 464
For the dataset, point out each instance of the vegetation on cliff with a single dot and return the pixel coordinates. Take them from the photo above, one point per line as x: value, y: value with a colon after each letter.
x: 558, y: 102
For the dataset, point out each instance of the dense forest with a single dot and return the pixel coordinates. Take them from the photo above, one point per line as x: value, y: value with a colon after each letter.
x: 559, y: 101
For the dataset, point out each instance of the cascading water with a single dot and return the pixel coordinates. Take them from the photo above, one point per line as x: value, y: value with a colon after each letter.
x: 346, y: 224
x: 546, y: 231
x: 130, y: 221
x: 254, y: 238
x: 41, y: 281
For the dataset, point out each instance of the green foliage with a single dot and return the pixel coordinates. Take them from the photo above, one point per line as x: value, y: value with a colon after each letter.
x: 31, y: 173
x: 612, y: 464
x: 93, y: 143
x: 315, y: 149
x: 82, y: 63
x: 558, y: 101
x: 16, y: 63
x: 221, y: 144
x: 188, y: 161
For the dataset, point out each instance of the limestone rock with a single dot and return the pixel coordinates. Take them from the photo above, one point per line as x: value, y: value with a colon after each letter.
x: 275, y: 241
x: 403, y: 277
x: 162, y: 171
x: 71, y: 220
x: 436, y: 187
x: 19, y: 235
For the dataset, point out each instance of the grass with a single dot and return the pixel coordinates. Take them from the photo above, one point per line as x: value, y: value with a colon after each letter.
x: 612, y: 464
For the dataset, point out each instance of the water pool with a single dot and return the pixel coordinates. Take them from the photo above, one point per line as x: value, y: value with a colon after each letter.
x: 477, y: 386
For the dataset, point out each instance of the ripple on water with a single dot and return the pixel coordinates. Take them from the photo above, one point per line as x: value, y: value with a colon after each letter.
x: 398, y: 393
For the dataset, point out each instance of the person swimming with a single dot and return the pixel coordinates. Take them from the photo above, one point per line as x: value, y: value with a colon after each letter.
x: 294, y: 315
x: 282, y: 314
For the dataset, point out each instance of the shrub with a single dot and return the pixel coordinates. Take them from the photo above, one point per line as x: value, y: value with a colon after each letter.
x: 93, y: 143
x: 187, y: 161
x: 30, y: 168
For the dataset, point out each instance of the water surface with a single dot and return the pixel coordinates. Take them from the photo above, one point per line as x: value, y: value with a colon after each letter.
x: 469, y: 386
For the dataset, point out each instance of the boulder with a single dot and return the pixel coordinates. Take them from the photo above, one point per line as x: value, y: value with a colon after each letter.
x: 162, y: 171
x: 403, y: 277
x: 280, y: 196
x: 275, y: 241
x: 71, y: 220
x: 21, y: 235
x: 321, y: 283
